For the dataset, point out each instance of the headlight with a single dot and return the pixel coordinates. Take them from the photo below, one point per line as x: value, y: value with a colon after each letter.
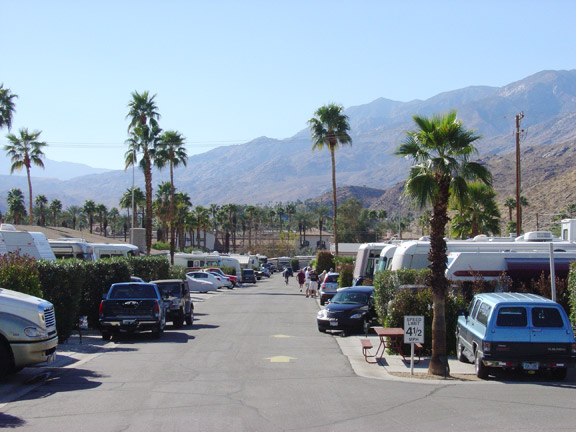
x: 321, y: 314
x: 34, y: 332
x: 358, y: 315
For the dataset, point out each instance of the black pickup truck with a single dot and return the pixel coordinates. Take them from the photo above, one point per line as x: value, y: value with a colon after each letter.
x: 132, y: 307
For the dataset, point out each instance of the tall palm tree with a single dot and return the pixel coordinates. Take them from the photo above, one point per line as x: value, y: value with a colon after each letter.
x: 16, y: 206
x: 139, y: 201
x: 162, y: 204
x: 102, y: 211
x: 290, y: 209
x: 6, y: 107
x: 144, y: 138
x: 41, y: 202
x: 440, y: 149
x: 55, y: 207
x: 25, y: 150
x: 329, y: 128
x: 321, y: 213
x: 113, y: 215
x: 89, y: 208
x: 72, y: 214
x: 250, y: 210
x: 171, y: 151
x: 280, y: 213
x: 478, y: 213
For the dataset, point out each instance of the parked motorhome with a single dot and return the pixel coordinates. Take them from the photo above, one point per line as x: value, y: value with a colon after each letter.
x: 34, y: 245
x: 196, y: 260
x: 71, y: 248
x: 280, y: 262
x: 386, y: 256
x: 367, y: 259
x: 518, y: 265
x: 109, y: 250
x: 414, y: 254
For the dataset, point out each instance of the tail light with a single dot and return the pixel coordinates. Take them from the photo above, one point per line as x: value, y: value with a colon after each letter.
x: 156, y: 309
x: 100, y: 312
x: 573, y: 348
x: 486, y: 347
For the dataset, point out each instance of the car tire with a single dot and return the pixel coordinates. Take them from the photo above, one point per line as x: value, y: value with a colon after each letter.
x: 157, y: 332
x: 559, y: 374
x: 178, y: 322
x: 189, y: 319
x: 322, y: 301
x: 6, y: 363
x: 321, y: 330
x: 106, y: 335
x: 481, y: 369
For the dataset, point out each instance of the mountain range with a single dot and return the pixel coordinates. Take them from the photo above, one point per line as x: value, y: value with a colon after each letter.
x: 267, y: 171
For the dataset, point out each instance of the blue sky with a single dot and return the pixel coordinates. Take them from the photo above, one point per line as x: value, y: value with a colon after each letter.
x: 226, y: 72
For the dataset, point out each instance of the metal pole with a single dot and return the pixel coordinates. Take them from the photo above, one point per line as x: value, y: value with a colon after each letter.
x: 518, y: 206
x: 552, y: 273
x: 412, y: 358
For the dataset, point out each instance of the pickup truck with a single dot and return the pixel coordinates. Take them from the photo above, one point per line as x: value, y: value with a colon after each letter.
x: 131, y: 307
x: 515, y: 331
x: 27, y: 331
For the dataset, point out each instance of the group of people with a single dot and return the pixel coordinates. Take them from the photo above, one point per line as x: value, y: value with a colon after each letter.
x: 307, y: 278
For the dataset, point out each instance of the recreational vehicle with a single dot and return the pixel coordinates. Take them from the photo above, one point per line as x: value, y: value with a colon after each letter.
x: 65, y: 248
x: 34, y: 245
x: 109, y: 250
x: 367, y: 260
x: 196, y: 260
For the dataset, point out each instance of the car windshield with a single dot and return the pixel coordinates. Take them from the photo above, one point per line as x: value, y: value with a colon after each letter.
x: 331, y: 279
x: 198, y: 275
x: 133, y: 291
x: 172, y: 289
x: 344, y: 297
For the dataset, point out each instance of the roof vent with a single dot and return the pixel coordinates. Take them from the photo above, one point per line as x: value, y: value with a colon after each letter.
x: 538, y: 236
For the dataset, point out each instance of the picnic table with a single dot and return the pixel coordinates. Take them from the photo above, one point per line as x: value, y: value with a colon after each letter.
x: 390, y: 338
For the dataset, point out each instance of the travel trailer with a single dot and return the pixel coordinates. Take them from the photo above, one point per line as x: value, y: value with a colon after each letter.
x: 518, y: 265
x: 66, y: 248
x: 34, y: 245
x: 386, y: 256
x: 414, y: 254
x: 367, y: 259
x: 108, y: 250
x: 196, y: 260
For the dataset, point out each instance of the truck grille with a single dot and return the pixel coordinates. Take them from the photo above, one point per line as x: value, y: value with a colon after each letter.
x: 49, y: 317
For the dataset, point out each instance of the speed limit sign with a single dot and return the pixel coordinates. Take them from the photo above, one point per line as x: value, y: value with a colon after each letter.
x: 413, y: 329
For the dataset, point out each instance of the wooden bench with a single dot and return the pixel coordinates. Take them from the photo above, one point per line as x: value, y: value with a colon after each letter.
x: 367, y: 345
x: 418, y: 347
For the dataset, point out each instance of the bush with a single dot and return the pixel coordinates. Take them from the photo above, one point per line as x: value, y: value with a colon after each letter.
x: 346, y: 277
x: 20, y: 273
x: 294, y: 264
x: 572, y: 293
x: 149, y: 267
x: 161, y: 246
x: 62, y: 285
x: 324, y: 261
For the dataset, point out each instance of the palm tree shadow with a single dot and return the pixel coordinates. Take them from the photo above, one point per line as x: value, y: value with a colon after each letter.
x: 8, y: 421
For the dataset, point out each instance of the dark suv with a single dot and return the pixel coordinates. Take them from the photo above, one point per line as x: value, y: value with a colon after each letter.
x: 249, y: 276
x: 176, y: 296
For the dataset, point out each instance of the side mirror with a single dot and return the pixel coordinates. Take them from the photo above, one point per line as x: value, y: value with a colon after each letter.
x: 463, y: 312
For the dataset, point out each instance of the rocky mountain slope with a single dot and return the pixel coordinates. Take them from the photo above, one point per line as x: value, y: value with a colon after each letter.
x: 267, y: 171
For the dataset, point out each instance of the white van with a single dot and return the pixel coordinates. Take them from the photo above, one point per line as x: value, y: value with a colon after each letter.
x: 27, y: 331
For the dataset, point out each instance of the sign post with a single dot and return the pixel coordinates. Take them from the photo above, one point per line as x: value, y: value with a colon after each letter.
x: 413, y: 333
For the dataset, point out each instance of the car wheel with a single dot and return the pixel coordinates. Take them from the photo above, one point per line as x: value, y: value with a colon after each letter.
x: 157, y: 332
x: 322, y: 301
x: 189, y: 319
x: 106, y: 335
x: 559, y: 373
x: 321, y: 330
x: 178, y: 322
x: 460, y: 351
x: 481, y: 369
x: 6, y: 365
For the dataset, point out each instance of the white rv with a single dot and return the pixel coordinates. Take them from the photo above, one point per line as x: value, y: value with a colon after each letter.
x: 196, y: 260
x: 525, y: 265
x: 66, y: 248
x: 386, y: 256
x: 109, y: 250
x: 414, y: 254
x: 367, y: 260
x: 34, y: 245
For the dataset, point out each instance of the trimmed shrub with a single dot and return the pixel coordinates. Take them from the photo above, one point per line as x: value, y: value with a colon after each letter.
x: 62, y: 285
x: 572, y: 293
x: 324, y: 261
x: 294, y: 264
x: 346, y: 277
x: 20, y: 273
x: 149, y: 267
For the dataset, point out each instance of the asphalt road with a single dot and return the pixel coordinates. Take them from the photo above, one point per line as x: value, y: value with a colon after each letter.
x: 254, y: 361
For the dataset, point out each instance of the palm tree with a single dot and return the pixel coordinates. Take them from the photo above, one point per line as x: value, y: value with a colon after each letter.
x: 440, y: 150
x: 55, y: 207
x: 89, y: 208
x: 321, y: 213
x: 162, y: 204
x: 250, y: 210
x: 6, y: 107
x: 144, y: 138
x: 16, y: 207
x: 478, y: 213
x: 102, y: 210
x: 171, y: 151
x: 510, y: 204
x: 25, y: 150
x: 41, y: 202
x: 72, y: 214
x: 329, y: 128
x: 280, y: 212
x: 113, y: 215
x: 290, y: 210
x: 139, y: 201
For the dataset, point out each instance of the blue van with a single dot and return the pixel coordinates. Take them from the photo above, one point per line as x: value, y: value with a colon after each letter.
x: 515, y: 331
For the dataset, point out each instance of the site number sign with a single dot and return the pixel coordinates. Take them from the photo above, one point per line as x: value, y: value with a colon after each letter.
x: 413, y: 329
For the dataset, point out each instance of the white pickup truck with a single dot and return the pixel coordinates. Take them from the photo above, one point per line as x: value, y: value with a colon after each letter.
x: 28, y: 333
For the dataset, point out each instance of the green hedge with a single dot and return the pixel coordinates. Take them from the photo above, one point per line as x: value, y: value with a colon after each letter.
x: 346, y: 276
x: 571, y: 289
x: 19, y: 273
x: 324, y: 261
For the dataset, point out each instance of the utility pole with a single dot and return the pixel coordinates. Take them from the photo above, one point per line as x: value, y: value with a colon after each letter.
x: 518, y: 204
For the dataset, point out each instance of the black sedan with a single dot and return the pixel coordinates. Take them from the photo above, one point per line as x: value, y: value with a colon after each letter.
x: 350, y: 310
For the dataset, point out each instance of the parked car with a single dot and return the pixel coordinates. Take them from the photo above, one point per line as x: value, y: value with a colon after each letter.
x: 131, y: 307
x: 515, y: 331
x: 27, y: 331
x: 249, y: 276
x: 231, y: 278
x: 264, y: 272
x: 328, y: 287
x: 202, y: 281
x: 222, y: 280
x: 176, y: 296
x: 350, y: 310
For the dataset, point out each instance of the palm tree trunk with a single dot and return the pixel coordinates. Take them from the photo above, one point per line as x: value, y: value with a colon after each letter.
x: 333, y: 158
x: 148, y: 180
x: 438, y: 280
x: 172, y: 224
x: 31, y: 215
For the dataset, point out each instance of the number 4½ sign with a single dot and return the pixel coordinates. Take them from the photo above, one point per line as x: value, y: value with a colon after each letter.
x: 413, y: 329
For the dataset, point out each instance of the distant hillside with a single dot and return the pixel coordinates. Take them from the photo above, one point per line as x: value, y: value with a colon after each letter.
x: 267, y: 171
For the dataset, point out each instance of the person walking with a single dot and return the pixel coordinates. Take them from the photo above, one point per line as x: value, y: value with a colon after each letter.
x: 307, y: 281
x: 313, y: 282
x: 286, y: 274
x: 301, y: 278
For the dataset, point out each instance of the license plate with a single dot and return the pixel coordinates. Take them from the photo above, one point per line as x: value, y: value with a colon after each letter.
x: 530, y: 365
x: 333, y: 323
x: 128, y: 322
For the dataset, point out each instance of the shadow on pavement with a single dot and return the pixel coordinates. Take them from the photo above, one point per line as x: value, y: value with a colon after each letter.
x: 72, y: 380
x: 8, y: 421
